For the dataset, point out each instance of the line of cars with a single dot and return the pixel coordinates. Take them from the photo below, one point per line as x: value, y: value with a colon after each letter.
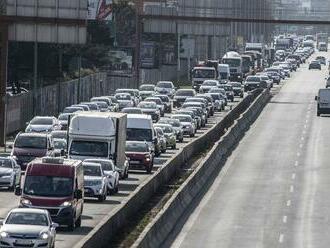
x: 87, y: 150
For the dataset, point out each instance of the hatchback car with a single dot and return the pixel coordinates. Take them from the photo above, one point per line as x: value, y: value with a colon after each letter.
x: 187, y: 124
x: 315, y: 65
x: 109, y: 169
x: 169, y: 134
x: 95, y: 181
x: 25, y: 227
x: 177, y: 126
x: 140, y: 155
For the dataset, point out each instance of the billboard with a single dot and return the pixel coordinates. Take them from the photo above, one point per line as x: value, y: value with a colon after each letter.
x: 148, y: 55
x: 100, y: 10
x: 120, y: 61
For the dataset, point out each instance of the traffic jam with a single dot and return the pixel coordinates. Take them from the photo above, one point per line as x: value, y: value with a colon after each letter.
x: 92, y: 147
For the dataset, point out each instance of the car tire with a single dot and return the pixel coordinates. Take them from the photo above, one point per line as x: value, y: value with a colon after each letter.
x: 149, y: 169
x: 192, y: 135
x: 173, y: 147
x: 78, y: 222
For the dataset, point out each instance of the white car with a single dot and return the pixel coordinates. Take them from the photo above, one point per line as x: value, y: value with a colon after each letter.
x: 187, y: 123
x: 110, y: 171
x: 43, y: 124
x: 207, y: 85
x: 27, y: 227
x: 165, y: 88
x: 10, y: 173
x: 95, y: 181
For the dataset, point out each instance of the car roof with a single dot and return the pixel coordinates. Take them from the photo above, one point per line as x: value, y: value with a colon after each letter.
x: 29, y: 210
x: 43, y: 135
x: 91, y: 164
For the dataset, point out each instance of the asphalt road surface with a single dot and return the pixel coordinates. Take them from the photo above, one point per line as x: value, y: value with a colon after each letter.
x: 274, y: 189
x: 94, y: 211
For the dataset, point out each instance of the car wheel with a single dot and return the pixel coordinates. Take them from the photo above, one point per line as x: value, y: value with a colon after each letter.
x: 181, y: 139
x: 173, y: 147
x: 318, y: 113
x: 78, y: 222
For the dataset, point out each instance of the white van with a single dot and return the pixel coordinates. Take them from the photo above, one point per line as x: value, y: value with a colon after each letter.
x: 224, y: 73
x: 140, y: 128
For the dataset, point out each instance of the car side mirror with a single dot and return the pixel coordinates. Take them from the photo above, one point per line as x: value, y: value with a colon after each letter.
x: 18, y: 191
x: 316, y: 98
x: 55, y: 225
x: 79, y: 194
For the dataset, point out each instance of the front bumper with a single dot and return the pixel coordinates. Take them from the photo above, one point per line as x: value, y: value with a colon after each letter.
x: 20, y: 241
x: 93, y: 191
x: 7, y: 181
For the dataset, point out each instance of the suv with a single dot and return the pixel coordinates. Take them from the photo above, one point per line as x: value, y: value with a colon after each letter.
x: 323, y: 102
x: 28, y: 146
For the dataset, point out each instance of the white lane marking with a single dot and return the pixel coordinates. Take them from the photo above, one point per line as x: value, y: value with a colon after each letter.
x: 306, y: 121
x: 296, y: 163
x: 302, y: 138
x: 285, y: 219
x: 291, y: 189
x: 298, y: 154
x: 293, y: 176
x: 304, y: 132
x: 305, y: 126
x: 288, y: 203
x: 281, y: 238
x: 301, y: 145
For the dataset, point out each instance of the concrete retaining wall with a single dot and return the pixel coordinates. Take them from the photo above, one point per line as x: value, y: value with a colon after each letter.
x: 107, y: 228
x: 159, y: 229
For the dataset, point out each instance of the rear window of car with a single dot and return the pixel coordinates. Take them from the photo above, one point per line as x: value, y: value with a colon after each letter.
x: 136, y: 147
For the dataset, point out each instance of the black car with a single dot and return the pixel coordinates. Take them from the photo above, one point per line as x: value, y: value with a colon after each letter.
x: 237, y: 88
x: 315, y: 65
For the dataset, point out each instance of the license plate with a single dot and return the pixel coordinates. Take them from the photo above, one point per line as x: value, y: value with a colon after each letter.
x: 23, y: 242
x: 134, y: 162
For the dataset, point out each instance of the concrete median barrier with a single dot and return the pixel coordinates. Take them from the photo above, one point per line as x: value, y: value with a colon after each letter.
x: 109, y: 226
x: 165, y: 221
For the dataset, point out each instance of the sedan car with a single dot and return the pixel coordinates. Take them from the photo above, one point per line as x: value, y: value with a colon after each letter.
x: 71, y: 110
x: 181, y: 96
x: 43, y: 124
x: 27, y: 227
x: 95, y: 181
x: 132, y: 92
x: 187, y: 123
x: 177, y: 126
x: 109, y: 170
x: 193, y: 114
x: 166, y: 101
x: 140, y: 155
x: 132, y: 110
x: 125, y: 100
x: 145, y: 94
x: 159, y: 102
x: 150, y: 108
x: 169, y: 134
x: 315, y: 65
x: 10, y: 173
x: 237, y: 88
x: 165, y: 88
x: 207, y: 85
x: 219, y: 101
x: 147, y: 87
x: 252, y: 83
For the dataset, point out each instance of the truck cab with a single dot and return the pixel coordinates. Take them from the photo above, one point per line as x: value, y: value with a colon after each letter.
x: 200, y: 74
x: 57, y: 185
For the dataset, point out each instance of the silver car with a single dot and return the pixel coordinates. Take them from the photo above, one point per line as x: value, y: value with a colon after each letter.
x: 10, y: 173
x: 95, y: 181
x: 27, y: 227
x: 111, y: 173
x: 41, y: 124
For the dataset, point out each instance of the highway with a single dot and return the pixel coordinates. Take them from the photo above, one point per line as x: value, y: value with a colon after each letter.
x: 94, y: 211
x: 274, y: 189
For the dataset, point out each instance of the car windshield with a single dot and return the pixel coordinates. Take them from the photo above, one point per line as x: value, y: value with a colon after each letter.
x: 35, y: 219
x: 130, y: 92
x: 147, y: 88
x: 89, y: 148
x: 48, y: 186
x: 5, y: 163
x: 60, y: 144
x: 147, y: 105
x: 236, y: 84
x: 72, y: 109
x: 166, y: 129
x: 215, y: 97
x: 137, y: 134
x: 185, y: 93
x: 31, y: 142
x: 159, y: 131
x: 164, y: 98
x: 164, y: 85
x: 63, y: 117
x: 132, y: 111
x: 232, y: 62
x: 92, y: 170
x: 106, y: 165
x: 136, y: 147
x: 42, y: 121
x: 155, y: 100
x: 113, y: 99
x: 123, y: 97
x: 253, y: 79
x: 182, y: 118
x: 209, y: 83
x: 203, y: 73
x: 223, y: 75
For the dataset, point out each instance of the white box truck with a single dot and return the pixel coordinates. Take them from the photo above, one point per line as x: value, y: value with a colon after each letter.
x: 99, y: 135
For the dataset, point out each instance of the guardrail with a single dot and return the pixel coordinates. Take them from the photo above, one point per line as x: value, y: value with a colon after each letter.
x: 159, y: 229
x: 107, y: 228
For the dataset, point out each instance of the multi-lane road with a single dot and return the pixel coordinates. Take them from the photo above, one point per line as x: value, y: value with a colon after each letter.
x: 94, y: 211
x: 274, y: 189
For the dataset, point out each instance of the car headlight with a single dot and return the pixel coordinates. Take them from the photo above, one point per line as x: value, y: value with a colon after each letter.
x: 44, y: 236
x: 4, y: 235
x: 66, y: 204
x: 26, y: 202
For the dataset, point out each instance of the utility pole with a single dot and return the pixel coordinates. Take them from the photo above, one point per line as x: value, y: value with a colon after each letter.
x: 3, y: 80
x: 138, y: 35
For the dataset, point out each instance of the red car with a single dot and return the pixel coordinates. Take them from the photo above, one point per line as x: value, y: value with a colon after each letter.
x: 140, y: 156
